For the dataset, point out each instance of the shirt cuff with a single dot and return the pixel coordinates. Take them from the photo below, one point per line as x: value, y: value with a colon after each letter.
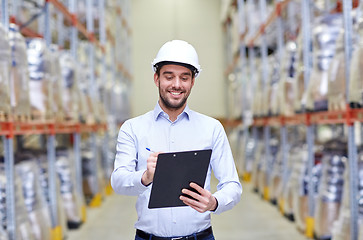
x: 137, y: 181
x: 223, y: 202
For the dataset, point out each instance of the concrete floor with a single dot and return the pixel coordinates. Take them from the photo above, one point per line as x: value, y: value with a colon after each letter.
x: 251, y: 219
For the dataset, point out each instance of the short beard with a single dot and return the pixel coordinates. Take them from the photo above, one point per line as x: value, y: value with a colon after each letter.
x: 169, y: 105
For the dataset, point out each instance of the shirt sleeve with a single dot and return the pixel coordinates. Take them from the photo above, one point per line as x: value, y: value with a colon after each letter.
x: 229, y: 188
x: 125, y: 179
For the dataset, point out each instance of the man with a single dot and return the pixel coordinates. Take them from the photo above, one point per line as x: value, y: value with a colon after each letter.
x: 173, y: 127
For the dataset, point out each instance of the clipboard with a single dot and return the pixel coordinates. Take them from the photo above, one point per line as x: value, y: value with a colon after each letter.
x: 174, y: 171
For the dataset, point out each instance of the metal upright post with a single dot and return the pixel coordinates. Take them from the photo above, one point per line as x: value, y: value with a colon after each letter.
x: 310, y: 129
x: 96, y: 201
x: 352, y: 148
x: 267, y: 130
x: 51, y: 153
x: 10, y: 186
x: 77, y: 134
x: 5, y: 14
x: 242, y: 59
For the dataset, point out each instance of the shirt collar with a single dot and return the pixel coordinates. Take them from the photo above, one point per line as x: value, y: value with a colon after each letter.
x: 159, y: 112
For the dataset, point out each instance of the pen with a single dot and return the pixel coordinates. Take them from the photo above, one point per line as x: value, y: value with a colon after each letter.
x: 149, y: 150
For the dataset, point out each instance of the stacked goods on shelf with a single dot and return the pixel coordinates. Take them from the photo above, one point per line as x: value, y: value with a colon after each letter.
x: 268, y: 163
x: 86, y: 107
x: 325, y: 33
x: 44, y: 182
x: 300, y: 181
x: 19, y: 75
x: 286, y: 85
x: 336, y: 78
x: 23, y: 229
x: 93, y: 180
x: 330, y: 188
x: 4, y: 75
x: 56, y: 83
x: 257, y: 161
x: 70, y: 86
x: 296, y: 139
x: 35, y: 203
x: 341, y: 227
x: 355, y: 84
x: 234, y: 138
x: 274, y: 68
x: 246, y: 155
x: 40, y: 90
x: 72, y: 201
x: 298, y: 81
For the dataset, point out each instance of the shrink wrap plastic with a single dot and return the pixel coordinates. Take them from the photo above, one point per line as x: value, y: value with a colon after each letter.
x: 91, y: 176
x: 5, y: 61
x: 257, y: 163
x: 298, y: 82
x: 70, y: 86
x: 273, y: 100
x: 286, y: 87
x: 35, y: 202
x: 56, y: 83
x: 246, y: 153
x: 72, y: 201
x: 356, y: 84
x: 299, y: 184
x: 23, y: 230
x: 325, y: 34
x: 330, y: 188
x: 288, y: 187
x: 19, y: 75
x: 40, y: 88
x: 341, y: 227
x: 43, y: 176
x: 336, y: 76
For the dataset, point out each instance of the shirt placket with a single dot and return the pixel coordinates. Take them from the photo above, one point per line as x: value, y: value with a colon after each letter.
x: 172, y: 139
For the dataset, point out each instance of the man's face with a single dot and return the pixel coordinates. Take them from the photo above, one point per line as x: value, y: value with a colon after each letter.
x: 175, y: 84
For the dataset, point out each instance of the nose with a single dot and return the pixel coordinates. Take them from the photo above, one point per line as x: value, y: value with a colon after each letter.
x: 177, y: 82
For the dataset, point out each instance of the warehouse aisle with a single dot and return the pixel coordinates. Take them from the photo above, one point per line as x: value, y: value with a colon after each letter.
x: 251, y: 219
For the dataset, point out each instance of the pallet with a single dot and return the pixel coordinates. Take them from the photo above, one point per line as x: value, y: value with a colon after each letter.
x: 4, y: 117
x: 21, y: 118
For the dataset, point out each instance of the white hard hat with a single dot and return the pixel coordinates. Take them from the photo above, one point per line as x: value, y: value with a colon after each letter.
x: 179, y: 52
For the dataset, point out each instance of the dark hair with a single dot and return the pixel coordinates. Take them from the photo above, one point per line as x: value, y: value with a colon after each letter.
x: 190, y: 67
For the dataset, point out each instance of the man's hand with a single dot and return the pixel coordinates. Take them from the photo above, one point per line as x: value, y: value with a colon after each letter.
x: 148, y: 175
x: 205, y: 201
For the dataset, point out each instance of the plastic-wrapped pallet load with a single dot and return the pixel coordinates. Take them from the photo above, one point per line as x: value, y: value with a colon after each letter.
x: 91, y: 172
x: 325, y: 33
x: 257, y: 161
x: 299, y: 184
x: 355, y: 84
x: 336, y: 75
x: 274, y: 108
x: 87, y: 106
x: 341, y: 227
x: 56, y: 83
x: 299, y: 83
x: 23, y: 229
x: 330, y: 188
x: 39, y: 65
x: 35, y: 202
x: 5, y: 61
x: 288, y: 185
x: 43, y: 177
x: 70, y: 86
x: 71, y: 199
x: 19, y: 75
x: 286, y: 84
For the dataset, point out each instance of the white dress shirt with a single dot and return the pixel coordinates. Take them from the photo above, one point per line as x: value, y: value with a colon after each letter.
x: 190, y: 131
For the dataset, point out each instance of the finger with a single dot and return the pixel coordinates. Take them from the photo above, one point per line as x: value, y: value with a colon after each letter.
x: 192, y: 194
x: 196, y: 187
x: 193, y: 204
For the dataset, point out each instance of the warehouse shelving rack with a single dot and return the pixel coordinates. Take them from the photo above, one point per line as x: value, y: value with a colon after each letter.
x: 347, y: 117
x: 10, y: 128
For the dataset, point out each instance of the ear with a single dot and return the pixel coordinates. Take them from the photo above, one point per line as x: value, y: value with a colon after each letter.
x: 156, y: 79
x: 193, y: 80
